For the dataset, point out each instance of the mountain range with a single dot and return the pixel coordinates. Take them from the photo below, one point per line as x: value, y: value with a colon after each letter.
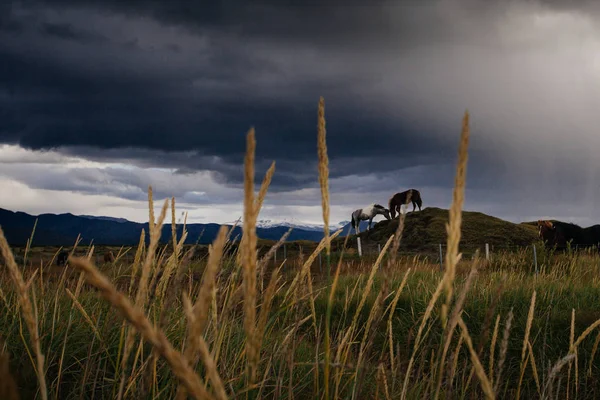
x: 63, y: 229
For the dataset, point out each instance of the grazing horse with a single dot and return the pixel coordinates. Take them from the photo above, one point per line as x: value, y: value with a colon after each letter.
x: 403, y: 198
x: 556, y: 234
x: 369, y: 213
x: 109, y: 257
x: 62, y: 257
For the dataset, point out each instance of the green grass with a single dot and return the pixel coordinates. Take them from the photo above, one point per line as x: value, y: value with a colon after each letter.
x: 90, y: 365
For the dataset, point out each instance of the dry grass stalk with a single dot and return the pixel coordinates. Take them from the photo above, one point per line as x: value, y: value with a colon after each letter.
x: 198, y: 342
x: 503, y: 349
x: 323, y: 168
x: 138, y: 320
x: 377, y: 311
x: 151, y: 220
x: 87, y: 318
x: 140, y: 299
x: 363, y: 344
x: 485, y: 383
x: 248, y: 253
x: 266, y: 307
x: 453, y: 229
x: 262, y: 264
x: 428, y: 310
x: 137, y: 259
x: 203, y: 300
x: 534, y: 368
x: 392, y: 309
x: 555, y: 370
x: 394, y: 250
x: 454, y: 364
x: 585, y: 334
x: 449, y: 331
x: 526, y: 341
x: 327, y: 355
x: 381, y: 373
x: 262, y: 193
x: 354, y: 324
x: 142, y: 292
x: 493, y: 349
x: 292, y: 288
x: 27, y: 310
x: 594, y: 350
x: 173, y: 225
x: 573, y: 350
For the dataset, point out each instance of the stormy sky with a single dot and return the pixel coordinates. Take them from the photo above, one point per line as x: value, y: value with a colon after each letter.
x: 99, y: 99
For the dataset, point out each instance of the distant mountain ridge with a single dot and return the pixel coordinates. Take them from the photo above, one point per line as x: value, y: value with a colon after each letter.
x: 63, y: 229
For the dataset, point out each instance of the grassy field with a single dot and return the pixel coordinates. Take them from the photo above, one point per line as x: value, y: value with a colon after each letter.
x: 234, y: 324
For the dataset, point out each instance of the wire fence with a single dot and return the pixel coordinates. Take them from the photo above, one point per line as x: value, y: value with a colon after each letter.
x: 368, y: 252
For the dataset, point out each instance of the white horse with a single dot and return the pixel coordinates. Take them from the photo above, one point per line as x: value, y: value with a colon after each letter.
x: 369, y: 212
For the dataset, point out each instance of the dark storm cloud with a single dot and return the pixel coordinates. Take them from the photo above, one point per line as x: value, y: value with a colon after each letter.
x: 69, y: 32
x: 50, y: 103
x: 178, y: 85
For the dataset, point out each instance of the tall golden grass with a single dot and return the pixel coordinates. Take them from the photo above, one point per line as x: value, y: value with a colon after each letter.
x: 229, y: 335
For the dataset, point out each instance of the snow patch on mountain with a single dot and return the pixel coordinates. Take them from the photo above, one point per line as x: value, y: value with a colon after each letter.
x: 293, y: 223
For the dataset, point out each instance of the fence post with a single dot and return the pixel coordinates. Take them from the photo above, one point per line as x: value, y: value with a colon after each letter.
x: 379, y: 248
x: 284, y: 251
x: 320, y: 264
x: 441, y: 259
x: 487, y: 251
x: 359, y: 247
x: 535, y: 259
x: 275, y: 257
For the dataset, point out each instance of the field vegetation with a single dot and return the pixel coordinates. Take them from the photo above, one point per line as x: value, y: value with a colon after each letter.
x: 234, y: 324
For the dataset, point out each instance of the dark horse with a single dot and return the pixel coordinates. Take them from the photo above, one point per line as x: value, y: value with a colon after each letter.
x: 403, y: 198
x: 62, y: 257
x: 109, y: 257
x: 558, y: 235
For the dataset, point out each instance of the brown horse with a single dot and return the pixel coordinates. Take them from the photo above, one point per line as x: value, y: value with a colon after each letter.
x: 558, y: 235
x: 109, y: 257
x: 403, y: 198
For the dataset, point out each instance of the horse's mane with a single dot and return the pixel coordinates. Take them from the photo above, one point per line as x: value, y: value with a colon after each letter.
x: 378, y: 206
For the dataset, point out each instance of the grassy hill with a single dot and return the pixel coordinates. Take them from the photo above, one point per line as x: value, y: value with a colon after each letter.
x: 424, y: 230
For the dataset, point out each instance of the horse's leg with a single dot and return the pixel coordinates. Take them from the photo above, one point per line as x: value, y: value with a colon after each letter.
x: 370, y: 221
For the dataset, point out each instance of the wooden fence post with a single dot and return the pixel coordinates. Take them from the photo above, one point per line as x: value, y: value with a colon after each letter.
x: 535, y: 259
x: 359, y: 247
x: 320, y: 263
x: 487, y: 251
x: 441, y: 259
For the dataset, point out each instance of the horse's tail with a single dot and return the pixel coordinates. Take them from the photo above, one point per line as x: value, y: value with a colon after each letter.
x: 415, y: 197
x: 392, y: 206
x: 418, y: 199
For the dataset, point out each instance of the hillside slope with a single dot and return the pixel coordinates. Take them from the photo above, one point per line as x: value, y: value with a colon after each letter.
x: 425, y: 230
